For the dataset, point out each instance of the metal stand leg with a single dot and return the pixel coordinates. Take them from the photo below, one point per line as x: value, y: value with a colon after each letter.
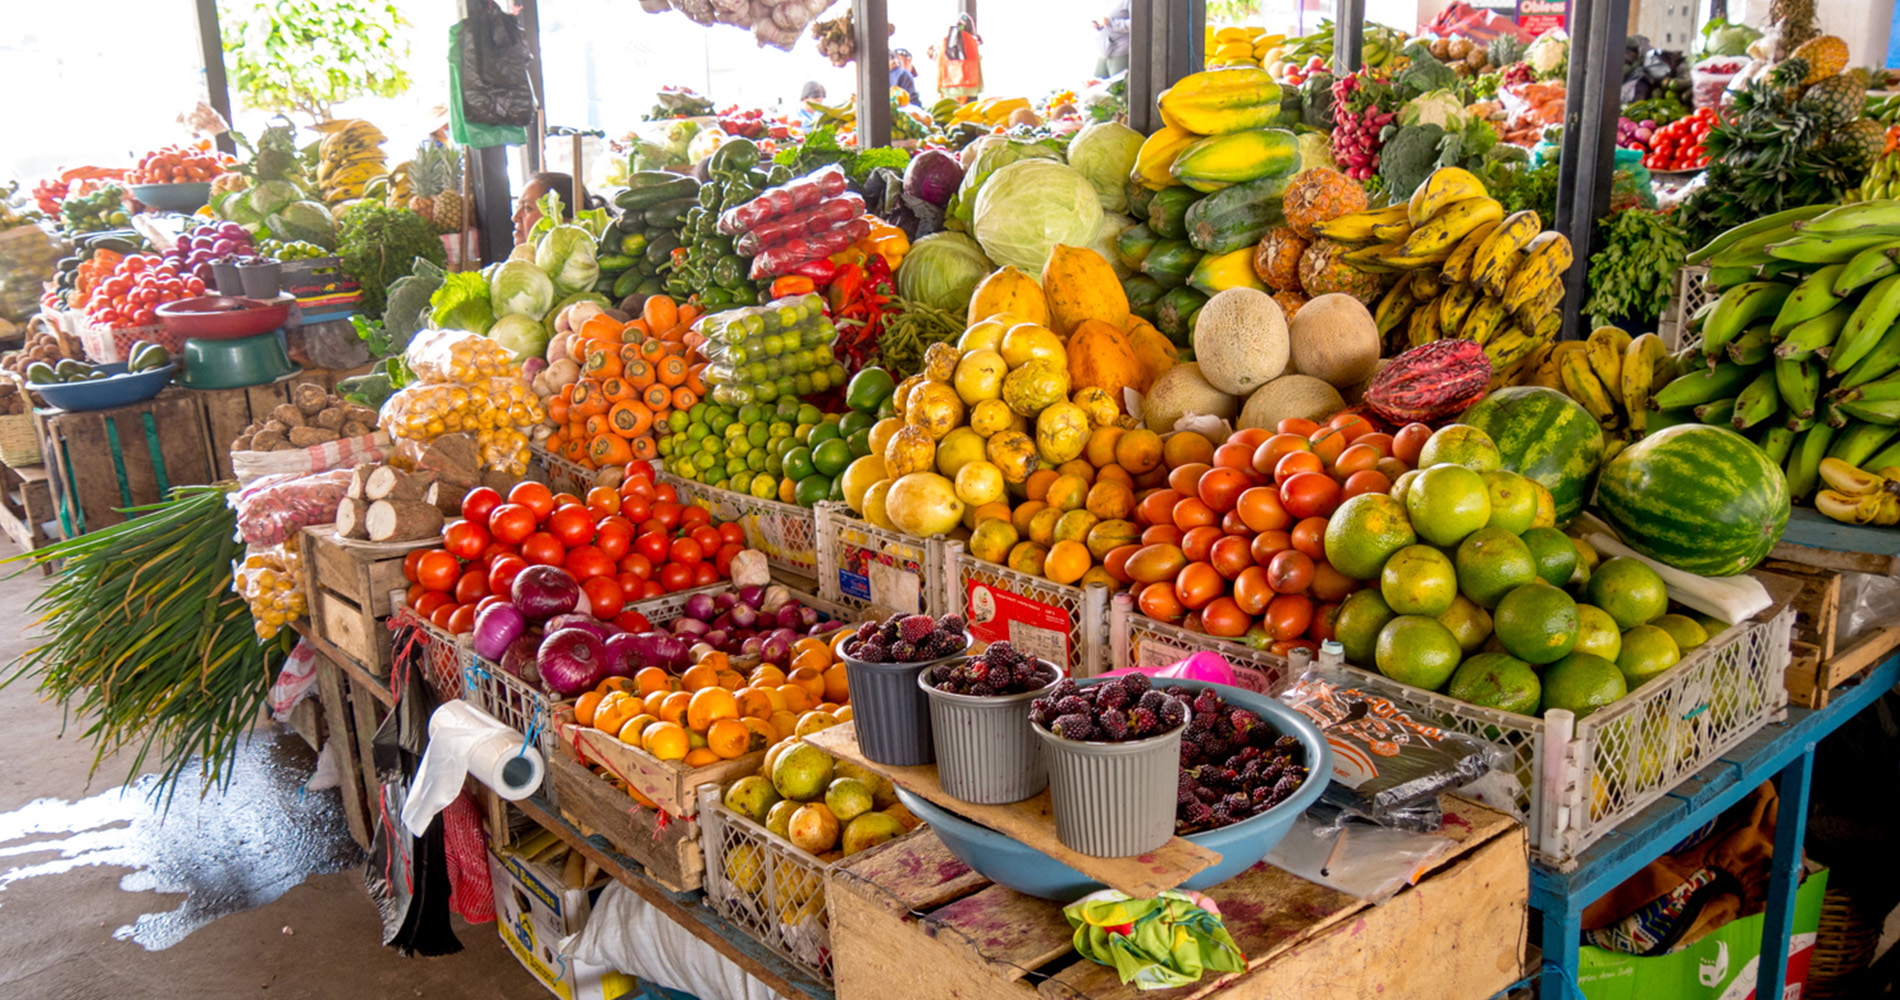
x: 1563, y: 935
x: 1791, y: 822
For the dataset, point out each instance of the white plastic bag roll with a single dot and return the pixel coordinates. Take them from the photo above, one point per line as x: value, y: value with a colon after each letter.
x: 463, y: 741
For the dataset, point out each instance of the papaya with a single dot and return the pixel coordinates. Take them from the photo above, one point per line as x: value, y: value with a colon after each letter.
x: 1079, y: 285
x: 1152, y: 349
x: 1217, y: 272
x: 1157, y: 154
x: 1220, y: 161
x: 1101, y: 356
x: 1216, y: 102
x: 1009, y: 290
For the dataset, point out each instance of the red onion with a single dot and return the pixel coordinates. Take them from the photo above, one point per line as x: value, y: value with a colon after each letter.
x: 742, y: 616
x: 689, y: 626
x: 751, y: 596
x: 725, y: 601
x: 700, y: 606
x: 542, y: 592
x: 588, y: 623
x: 496, y: 628
x: 571, y: 661
x: 777, y: 646
x: 752, y: 646
x: 787, y: 616
x: 518, y: 659
x: 624, y: 654
x: 825, y: 626
x: 716, y: 638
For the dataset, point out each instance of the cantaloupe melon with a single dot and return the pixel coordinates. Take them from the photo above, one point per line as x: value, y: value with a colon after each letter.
x: 1334, y: 339
x: 1290, y: 396
x: 1240, y: 340
x: 1182, y: 390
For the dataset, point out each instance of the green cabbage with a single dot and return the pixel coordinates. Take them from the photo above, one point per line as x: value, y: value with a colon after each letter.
x: 1029, y: 206
x: 520, y: 287
x: 962, y: 207
x: 524, y: 335
x: 272, y: 196
x: 1104, y: 242
x: 1105, y: 154
x: 462, y: 303
x: 942, y: 270
x: 1440, y: 107
x: 566, y: 254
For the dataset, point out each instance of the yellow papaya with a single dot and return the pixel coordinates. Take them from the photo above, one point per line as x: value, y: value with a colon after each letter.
x: 1218, y: 101
x: 1079, y: 285
x: 1101, y: 356
x: 1152, y: 348
x: 1157, y: 154
x: 1008, y: 290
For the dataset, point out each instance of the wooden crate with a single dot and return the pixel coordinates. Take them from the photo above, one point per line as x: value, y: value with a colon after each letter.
x: 26, y: 507
x: 908, y: 919
x: 349, y: 585
x: 668, y: 783
x: 1811, y: 679
x: 1817, y: 604
x: 666, y: 846
x: 103, y: 460
x: 344, y: 727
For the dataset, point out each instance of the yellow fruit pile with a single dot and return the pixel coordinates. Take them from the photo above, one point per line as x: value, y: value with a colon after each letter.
x: 466, y: 383
x: 270, y: 579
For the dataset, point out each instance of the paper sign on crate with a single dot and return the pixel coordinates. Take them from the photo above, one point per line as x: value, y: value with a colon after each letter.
x: 882, y: 579
x: 1041, y: 630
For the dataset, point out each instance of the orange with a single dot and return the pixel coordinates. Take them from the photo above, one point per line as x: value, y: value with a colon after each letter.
x: 1110, y: 500
x: 843, y: 713
x: 1183, y: 447
x: 1138, y: 451
x: 650, y: 679
x: 730, y: 680
x: 1079, y: 468
x: 1115, y: 474
x: 1067, y: 561
x: 728, y: 738
x: 997, y: 510
x: 1037, y: 485
x: 585, y: 705
x: 716, y: 660
x: 811, y: 680
x: 701, y: 756
x: 1024, y: 514
x: 774, y: 697
x: 709, y: 705
x: 675, y: 707
x: 837, y: 687
x: 811, y: 659
x: 613, y: 712
x: 813, y: 642
x: 1067, y: 493
x: 784, y: 723
x: 753, y: 703
x: 630, y: 733
x: 617, y: 684
x: 665, y: 740
x: 838, y: 638
x: 762, y: 734
x: 653, y: 700
x: 826, y: 707
x: 698, y: 676
x: 767, y: 675
x: 1100, y: 450
x: 813, y: 721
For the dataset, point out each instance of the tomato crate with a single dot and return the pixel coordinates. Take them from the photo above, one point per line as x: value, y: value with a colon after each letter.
x: 863, y: 565
x: 561, y: 475
x: 1064, y: 625
x: 454, y: 671
x: 786, y: 533
x: 1136, y: 640
x: 1578, y: 778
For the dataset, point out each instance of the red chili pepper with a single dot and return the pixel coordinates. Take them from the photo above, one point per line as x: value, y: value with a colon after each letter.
x: 791, y: 284
x: 843, y: 293
x: 821, y: 270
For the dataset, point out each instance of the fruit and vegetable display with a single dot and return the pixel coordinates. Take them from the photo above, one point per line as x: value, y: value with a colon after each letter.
x: 611, y: 386
x: 139, y: 283
x: 465, y: 382
x: 710, y: 263
x: 199, y: 247
x: 1235, y: 46
x: 42, y: 346
x: 1680, y: 145
x: 348, y: 155
x: 104, y: 208
x: 636, y: 255
x: 785, y: 450
x: 999, y: 670
x: 179, y: 165
x: 761, y: 353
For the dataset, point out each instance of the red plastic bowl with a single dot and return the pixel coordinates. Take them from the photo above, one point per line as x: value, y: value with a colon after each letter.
x: 222, y: 317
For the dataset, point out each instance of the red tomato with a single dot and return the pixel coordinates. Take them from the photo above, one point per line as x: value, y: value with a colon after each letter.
x: 603, y: 596
x: 566, y: 500
x: 640, y: 487
x: 572, y: 524
x: 1289, y: 615
x: 722, y: 558
x: 1224, y: 618
x: 603, y: 501
x: 409, y: 564
x: 465, y: 538
x: 706, y: 535
x: 651, y: 525
x: 471, y: 587
x: 437, y: 570
x: 629, y: 586
x: 639, y: 467
x: 706, y: 574
x: 1290, y: 572
x: 494, y: 551
x: 478, y: 503
x: 635, y: 510
x: 414, y: 594
x: 585, y: 562
x: 731, y: 532
x: 501, y: 573
x: 441, y: 615
x: 651, y: 589
x: 488, y: 602
x: 637, y: 564
x: 429, y: 603
x: 613, y: 537
x: 675, y: 577
x: 543, y: 549
x: 1231, y: 555
x: 632, y: 621
x: 1310, y: 494
x: 651, y: 545
x: 534, y: 496
x: 667, y: 493
x: 686, y: 552
x: 693, y: 517
x: 667, y: 513
x: 510, y: 523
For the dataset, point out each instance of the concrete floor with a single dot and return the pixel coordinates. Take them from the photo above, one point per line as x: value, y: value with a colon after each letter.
x: 81, y: 885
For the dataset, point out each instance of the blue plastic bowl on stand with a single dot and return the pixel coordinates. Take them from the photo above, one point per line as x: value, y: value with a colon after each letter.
x: 119, y: 389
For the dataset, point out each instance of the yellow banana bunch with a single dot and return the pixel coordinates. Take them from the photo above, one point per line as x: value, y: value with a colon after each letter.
x: 1445, y: 187
x: 1581, y: 383
x: 348, y: 157
x: 1357, y: 227
x: 1641, y: 360
x: 1497, y: 258
x: 1442, y: 233
x: 1545, y: 260
x: 1856, y: 496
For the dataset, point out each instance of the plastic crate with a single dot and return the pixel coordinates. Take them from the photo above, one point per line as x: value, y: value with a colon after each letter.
x: 764, y: 885
x: 1135, y: 640
x: 106, y: 346
x: 661, y: 610
x: 1577, y: 779
x: 454, y: 671
x: 786, y: 533
x: 862, y: 565
x: 1692, y: 293
x: 1064, y: 625
x: 562, y: 475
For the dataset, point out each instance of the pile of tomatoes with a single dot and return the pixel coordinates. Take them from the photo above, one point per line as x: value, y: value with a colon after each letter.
x: 632, y: 544
x: 141, y: 283
x: 180, y: 165
x: 1235, y: 544
x: 1679, y: 145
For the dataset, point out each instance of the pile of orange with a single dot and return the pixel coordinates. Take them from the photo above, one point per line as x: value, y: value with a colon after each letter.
x: 712, y: 713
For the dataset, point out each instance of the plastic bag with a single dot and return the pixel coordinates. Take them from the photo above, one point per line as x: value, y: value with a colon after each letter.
x: 346, y: 453
x: 825, y: 215
x: 1709, y: 79
x: 493, y: 412
x: 293, y: 685
x: 783, y: 200
x: 270, y: 579
x: 783, y: 257
x: 1867, y: 602
x: 494, y: 70
x: 457, y: 356
x: 276, y: 507
x: 1363, y: 861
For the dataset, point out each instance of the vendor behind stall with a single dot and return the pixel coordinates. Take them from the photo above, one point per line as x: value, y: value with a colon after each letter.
x: 528, y: 206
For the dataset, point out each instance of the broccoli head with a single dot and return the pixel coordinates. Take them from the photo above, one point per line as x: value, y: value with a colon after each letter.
x: 1408, y: 158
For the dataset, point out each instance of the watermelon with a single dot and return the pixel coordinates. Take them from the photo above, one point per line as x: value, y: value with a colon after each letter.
x: 1703, y: 499
x: 1543, y: 435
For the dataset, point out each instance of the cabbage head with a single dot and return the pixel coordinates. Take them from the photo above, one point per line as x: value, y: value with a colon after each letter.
x: 1105, y: 154
x: 962, y: 207
x: 462, y: 303
x: 566, y: 253
x: 520, y: 287
x: 1030, y: 206
x: 941, y: 270
x: 1104, y: 242
x: 524, y: 335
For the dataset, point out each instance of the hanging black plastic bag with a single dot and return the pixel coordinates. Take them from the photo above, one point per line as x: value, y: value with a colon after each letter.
x: 496, y: 87
x: 407, y: 876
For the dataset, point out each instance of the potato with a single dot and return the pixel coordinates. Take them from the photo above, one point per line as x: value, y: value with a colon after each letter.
x: 288, y: 415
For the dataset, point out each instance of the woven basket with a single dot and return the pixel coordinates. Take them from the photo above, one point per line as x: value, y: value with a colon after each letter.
x: 19, y: 442
x: 1843, y: 947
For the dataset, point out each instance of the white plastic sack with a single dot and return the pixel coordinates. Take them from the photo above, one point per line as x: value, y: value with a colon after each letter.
x: 628, y: 934
x: 343, y: 453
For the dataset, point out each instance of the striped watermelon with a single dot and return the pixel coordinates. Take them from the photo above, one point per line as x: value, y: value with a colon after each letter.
x: 1698, y: 497
x: 1543, y: 435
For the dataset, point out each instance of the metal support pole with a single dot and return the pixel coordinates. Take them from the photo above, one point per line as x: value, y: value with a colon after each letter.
x: 1784, y: 879
x: 1349, y: 35
x: 874, y: 72
x: 1164, y: 45
x: 967, y: 7
x: 217, y: 87
x: 530, y: 17
x: 1598, y: 28
x: 493, y: 202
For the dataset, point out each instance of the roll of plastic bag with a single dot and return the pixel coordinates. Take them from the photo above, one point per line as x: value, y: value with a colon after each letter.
x: 463, y: 741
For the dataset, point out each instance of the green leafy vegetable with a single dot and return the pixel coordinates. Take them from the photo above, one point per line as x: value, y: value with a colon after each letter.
x: 821, y: 147
x: 462, y: 303
x: 1633, y: 276
x: 377, y: 245
x: 1408, y: 157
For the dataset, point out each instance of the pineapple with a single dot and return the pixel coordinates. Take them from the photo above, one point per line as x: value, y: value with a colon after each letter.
x: 1826, y: 56
x: 1834, y: 101
x: 425, y: 182
x: 1320, y: 194
x: 448, y: 200
x: 1860, y: 142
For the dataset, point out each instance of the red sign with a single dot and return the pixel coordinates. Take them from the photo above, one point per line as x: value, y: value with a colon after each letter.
x: 1039, y: 629
x: 1539, y: 16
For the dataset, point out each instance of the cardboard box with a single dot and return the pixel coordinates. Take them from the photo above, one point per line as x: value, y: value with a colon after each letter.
x: 1721, y: 966
x: 534, y: 913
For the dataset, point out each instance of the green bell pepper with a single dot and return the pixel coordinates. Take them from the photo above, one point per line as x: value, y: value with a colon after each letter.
x: 729, y: 271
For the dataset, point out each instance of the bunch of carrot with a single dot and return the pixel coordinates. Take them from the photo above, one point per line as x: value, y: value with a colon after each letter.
x: 633, y: 376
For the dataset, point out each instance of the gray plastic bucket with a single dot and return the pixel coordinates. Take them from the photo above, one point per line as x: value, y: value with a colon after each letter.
x: 1113, y: 800
x: 890, y: 712
x: 986, y: 752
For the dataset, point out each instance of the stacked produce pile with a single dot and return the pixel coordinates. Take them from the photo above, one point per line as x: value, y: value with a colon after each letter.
x: 636, y: 253
x: 179, y: 165
x: 712, y: 265
x: 786, y: 450
x: 1234, y: 47
x: 277, y: 194
x: 610, y: 386
x: 349, y: 154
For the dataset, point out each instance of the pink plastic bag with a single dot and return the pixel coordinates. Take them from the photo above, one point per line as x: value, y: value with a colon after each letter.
x: 1211, y: 667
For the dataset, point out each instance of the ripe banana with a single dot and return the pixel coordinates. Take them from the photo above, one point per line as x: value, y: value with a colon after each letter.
x: 1810, y: 298
x: 1445, y: 186
x: 1544, y: 262
x: 1605, y: 348
x: 1871, y: 319
x: 1545, y: 372
x: 1508, y: 347
x: 1736, y: 310
x: 1638, y: 373
x: 1457, y: 267
x: 1497, y: 257
x: 1378, y: 258
x: 1851, y: 479
x: 1357, y: 227
x: 1396, y: 231
x: 1582, y: 385
x: 1848, y: 509
x: 1484, y: 320
x: 1547, y: 327
x: 1454, y: 306
x: 1450, y: 225
x: 1422, y: 327
x: 1394, y: 307
x: 1543, y: 305
x: 1424, y: 284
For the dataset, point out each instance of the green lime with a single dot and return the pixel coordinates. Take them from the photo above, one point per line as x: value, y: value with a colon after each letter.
x: 1597, y: 633
x: 860, y: 442
x: 803, y: 433
x: 684, y: 469
x: 1446, y: 503
x: 1687, y: 632
x: 822, y: 432
x: 1461, y: 444
x: 887, y: 408
x: 870, y: 389
x: 695, y: 432
x: 756, y: 459
x: 1357, y: 628
x: 1555, y: 557
x: 1364, y: 532
x: 1493, y: 562
x: 811, y: 489
x: 697, y: 412
x: 798, y: 464
x: 855, y: 421
x: 837, y: 488
x: 719, y: 420
x: 1417, y: 650
x: 830, y: 456
x: 809, y: 414
x: 765, y: 487
x: 1647, y: 651
x: 780, y: 428
x: 757, y: 434
x: 1630, y: 591
x: 1711, y: 625
x: 1536, y: 622
x: 1581, y: 683
x: 1513, y: 500
x: 1470, y: 623
x: 751, y: 413
x: 740, y: 482
x: 787, y: 409
x: 665, y: 447
x: 1418, y: 580
x: 1499, y: 681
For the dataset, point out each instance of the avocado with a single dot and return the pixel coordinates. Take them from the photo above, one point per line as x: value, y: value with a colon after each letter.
x: 69, y: 368
x: 41, y: 373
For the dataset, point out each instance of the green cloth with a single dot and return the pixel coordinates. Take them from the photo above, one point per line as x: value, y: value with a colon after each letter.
x: 474, y: 135
x: 1155, y: 944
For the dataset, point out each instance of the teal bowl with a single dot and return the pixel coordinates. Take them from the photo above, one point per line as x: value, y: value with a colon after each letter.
x: 1010, y: 862
x: 186, y: 197
x: 234, y: 364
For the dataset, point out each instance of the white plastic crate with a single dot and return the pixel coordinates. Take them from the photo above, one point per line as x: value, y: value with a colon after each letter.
x: 764, y: 885
x: 863, y: 565
x: 1577, y: 779
x: 454, y: 671
x: 1135, y: 640
x: 661, y: 610
x: 562, y: 475
x: 1064, y: 625
x: 786, y: 533
x: 1692, y: 293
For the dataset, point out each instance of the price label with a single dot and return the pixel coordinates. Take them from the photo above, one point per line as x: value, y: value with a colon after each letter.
x: 1038, y: 629
x: 896, y: 588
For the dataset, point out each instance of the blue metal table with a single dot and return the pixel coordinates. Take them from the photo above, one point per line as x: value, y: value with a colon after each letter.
x: 1783, y: 750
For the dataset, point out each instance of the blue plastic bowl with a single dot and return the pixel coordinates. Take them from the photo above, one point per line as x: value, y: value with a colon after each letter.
x: 1010, y: 862
x: 188, y: 196
x: 103, y: 394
